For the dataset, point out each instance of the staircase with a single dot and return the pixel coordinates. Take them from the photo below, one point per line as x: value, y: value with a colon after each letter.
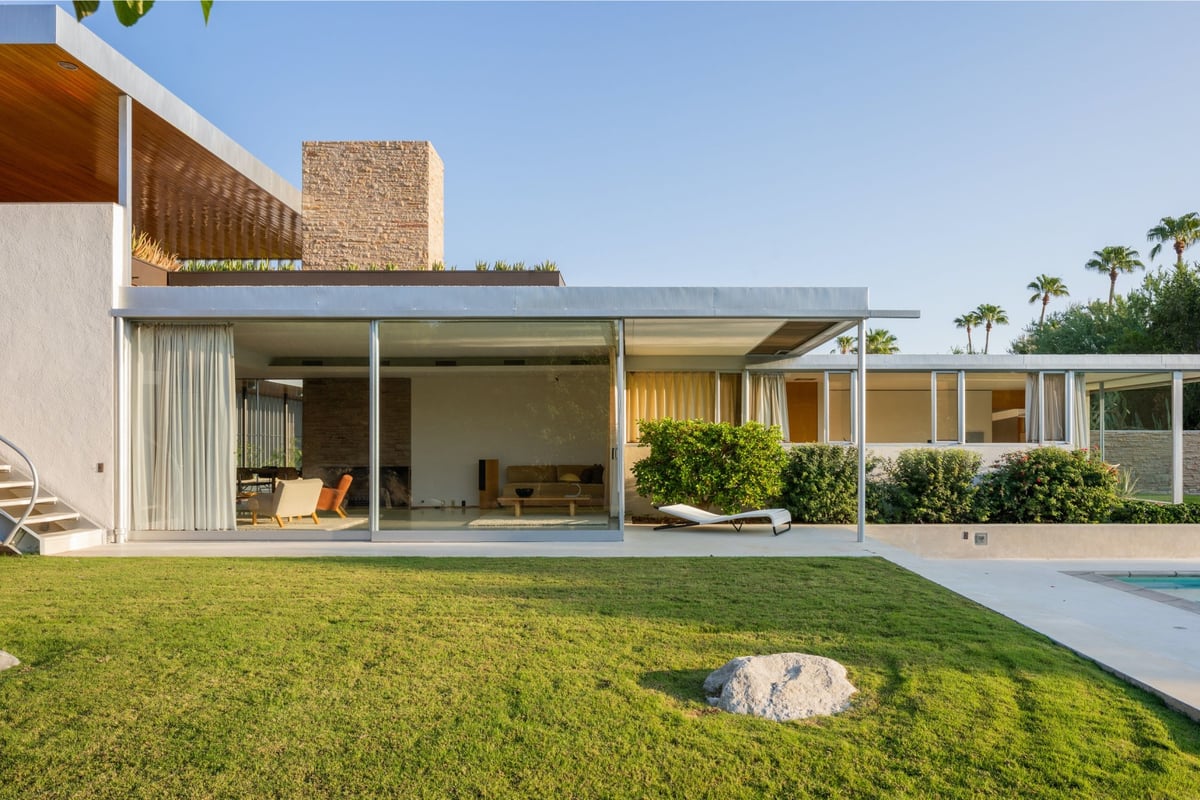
x: 51, y: 526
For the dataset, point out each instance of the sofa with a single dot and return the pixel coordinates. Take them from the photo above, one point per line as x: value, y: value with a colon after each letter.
x: 555, y: 480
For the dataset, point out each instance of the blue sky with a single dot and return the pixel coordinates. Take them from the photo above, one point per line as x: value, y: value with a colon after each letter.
x: 941, y: 154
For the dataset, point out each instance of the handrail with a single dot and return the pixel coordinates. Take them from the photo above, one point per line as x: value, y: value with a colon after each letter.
x: 7, y: 544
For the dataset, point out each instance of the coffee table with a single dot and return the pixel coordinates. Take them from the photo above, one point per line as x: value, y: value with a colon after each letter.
x: 570, y: 502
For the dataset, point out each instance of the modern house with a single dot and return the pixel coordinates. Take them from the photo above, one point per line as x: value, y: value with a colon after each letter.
x: 150, y: 399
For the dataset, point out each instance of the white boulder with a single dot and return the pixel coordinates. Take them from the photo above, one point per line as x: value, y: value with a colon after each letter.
x: 7, y: 661
x: 781, y: 687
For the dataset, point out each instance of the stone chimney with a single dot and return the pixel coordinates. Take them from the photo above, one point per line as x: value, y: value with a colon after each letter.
x: 373, y: 205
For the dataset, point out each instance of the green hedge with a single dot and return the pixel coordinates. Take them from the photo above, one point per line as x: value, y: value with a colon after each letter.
x: 820, y: 484
x: 926, y: 485
x: 730, y: 467
x: 1146, y: 513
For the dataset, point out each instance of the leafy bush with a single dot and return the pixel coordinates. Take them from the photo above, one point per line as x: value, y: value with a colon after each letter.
x: 820, y: 484
x: 1048, y: 484
x: 928, y: 485
x: 1145, y: 513
x: 732, y: 468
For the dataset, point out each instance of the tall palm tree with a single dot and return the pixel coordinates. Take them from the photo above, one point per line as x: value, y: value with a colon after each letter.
x: 881, y: 342
x: 1182, y: 233
x: 969, y: 320
x: 845, y: 344
x: 1112, y: 260
x: 991, y: 315
x: 1044, y: 287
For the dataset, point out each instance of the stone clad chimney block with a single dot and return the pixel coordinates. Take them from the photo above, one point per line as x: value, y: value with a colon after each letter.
x: 373, y: 205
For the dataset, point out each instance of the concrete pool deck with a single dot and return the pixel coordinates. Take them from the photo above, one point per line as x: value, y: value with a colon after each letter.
x: 1151, y: 644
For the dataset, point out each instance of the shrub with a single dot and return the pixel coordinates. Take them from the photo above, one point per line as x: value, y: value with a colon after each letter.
x: 820, y: 484
x: 1146, y: 513
x: 1048, y: 484
x: 930, y: 486
x: 732, y: 468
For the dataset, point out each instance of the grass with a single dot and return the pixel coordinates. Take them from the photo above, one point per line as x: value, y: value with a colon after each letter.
x: 1165, y: 497
x: 543, y: 678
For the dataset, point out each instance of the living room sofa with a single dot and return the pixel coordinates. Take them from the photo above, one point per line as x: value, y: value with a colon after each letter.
x: 555, y: 480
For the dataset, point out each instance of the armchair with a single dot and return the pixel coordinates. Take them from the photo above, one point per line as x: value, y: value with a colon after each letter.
x: 332, y: 499
x: 290, y: 499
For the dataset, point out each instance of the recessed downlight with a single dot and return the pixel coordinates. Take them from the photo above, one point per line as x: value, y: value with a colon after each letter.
x: 67, y: 65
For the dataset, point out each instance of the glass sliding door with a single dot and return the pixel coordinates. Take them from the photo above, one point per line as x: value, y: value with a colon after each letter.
x: 498, y: 424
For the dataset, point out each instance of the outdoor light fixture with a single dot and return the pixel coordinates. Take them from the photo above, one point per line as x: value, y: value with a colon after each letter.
x: 67, y: 65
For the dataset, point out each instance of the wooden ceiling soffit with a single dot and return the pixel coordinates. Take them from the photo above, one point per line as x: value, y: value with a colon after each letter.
x: 58, y: 144
x: 791, y: 336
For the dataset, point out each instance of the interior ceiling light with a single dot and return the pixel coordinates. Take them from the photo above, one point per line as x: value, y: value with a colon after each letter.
x: 67, y: 65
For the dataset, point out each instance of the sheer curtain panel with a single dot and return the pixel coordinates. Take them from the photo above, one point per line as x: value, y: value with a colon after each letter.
x: 183, y: 403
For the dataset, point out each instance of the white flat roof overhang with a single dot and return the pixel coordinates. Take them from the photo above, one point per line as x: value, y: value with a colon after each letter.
x: 659, y: 320
x: 194, y: 189
x: 1090, y: 363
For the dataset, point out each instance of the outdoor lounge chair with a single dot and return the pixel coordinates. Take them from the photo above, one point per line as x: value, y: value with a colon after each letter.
x: 779, y: 517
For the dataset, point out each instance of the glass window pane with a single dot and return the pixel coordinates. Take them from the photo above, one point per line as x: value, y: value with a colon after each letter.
x: 947, y: 406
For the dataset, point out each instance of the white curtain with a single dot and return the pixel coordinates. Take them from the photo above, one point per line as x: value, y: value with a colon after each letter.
x: 1032, y: 417
x: 674, y: 395
x: 183, y: 404
x: 1082, y: 420
x: 1054, y: 386
x: 768, y: 400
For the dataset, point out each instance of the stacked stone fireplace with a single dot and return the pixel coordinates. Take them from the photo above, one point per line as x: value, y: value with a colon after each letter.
x: 337, y: 437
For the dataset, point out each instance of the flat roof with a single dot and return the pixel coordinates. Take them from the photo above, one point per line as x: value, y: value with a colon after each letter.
x: 195, y: 190
x: 664, y: 320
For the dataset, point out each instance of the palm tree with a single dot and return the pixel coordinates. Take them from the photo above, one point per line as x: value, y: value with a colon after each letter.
x: 1182, y: 233
x: 1044, y: 287
x: 990, y: 315
x: 845, y: 344
x: 969, y: 320
x: 1114, y: 259
x: 881, y: 342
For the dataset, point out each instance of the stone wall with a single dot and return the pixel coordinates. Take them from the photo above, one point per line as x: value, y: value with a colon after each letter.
x: 372, y: 204
x: 1147, y: 455
x: 337, y: 423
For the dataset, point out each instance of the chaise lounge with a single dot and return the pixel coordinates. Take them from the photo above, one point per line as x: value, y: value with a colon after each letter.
x: 697, y: 516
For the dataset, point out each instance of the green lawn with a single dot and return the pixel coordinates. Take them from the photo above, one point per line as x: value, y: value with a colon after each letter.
x: 1166, y: 497
x: 543, y: 678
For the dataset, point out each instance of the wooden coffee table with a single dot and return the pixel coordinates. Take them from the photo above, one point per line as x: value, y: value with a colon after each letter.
x: 569, y: 502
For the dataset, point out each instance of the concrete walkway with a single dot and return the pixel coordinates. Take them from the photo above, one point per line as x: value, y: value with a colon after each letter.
x: 1151, y: 644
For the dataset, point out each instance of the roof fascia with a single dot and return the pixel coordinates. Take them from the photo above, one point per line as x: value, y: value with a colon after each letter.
x: 479, y: 302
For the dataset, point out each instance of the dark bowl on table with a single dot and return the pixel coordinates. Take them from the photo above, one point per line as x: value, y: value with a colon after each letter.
x: 525, y: 492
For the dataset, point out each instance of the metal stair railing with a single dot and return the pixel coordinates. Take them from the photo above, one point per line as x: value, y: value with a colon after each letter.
x: 7, y: 544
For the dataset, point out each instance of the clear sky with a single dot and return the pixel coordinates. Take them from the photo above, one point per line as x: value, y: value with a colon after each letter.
x: 941, y: 154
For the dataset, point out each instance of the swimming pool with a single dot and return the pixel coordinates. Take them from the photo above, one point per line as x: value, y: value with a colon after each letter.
x: 1186, y: 587
x: 1178, y: 589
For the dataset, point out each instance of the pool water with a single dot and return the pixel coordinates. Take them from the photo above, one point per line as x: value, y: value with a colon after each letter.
x: 1186, y: 587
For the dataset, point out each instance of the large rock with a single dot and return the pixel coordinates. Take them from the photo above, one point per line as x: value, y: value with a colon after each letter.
x: 782, y: 686
x: 7, y: 661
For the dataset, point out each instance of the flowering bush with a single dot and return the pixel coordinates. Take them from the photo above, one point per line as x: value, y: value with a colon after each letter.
x: 1048, y: 484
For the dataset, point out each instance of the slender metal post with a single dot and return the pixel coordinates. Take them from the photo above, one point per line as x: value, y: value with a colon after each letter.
x: 618, y: 479
x: 373, y: 431
x: 1176, y: 437
x: 861, y: 424
x: 1103, y: 413
x: 122, y: 330
x: 1041, y: 407
x: 933, y: 407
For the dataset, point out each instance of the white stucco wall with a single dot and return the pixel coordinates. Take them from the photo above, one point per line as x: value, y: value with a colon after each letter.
x: 516, y: 417
x: 56, y: 372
